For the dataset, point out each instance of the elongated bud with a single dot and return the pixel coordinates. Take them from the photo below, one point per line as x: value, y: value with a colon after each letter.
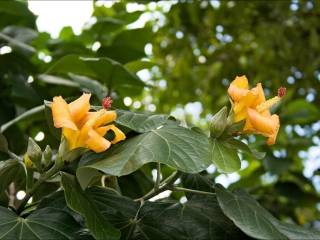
x: 219, y: 123
x: 107, y: 103
x: 34, y: 153
x: 46, y: 156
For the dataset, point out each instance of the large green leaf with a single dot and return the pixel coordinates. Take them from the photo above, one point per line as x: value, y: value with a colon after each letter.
x: 82, y: 203
x: 176, y: 146
x: 225, y: 158
x: 141, y: 122
x: 105, y: 70
x: 46, y: 223
x: 128, y: 45
x: 257, y: 222
x: 81, y: 82
x: 200, y: 218
x: 300, y: 112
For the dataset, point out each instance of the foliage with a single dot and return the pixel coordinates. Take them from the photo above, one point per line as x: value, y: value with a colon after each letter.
x: 198, y: 47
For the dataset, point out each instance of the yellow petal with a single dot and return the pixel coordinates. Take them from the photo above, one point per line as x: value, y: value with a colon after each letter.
x: 272, y: 138
x: 260, y: 94
x: 119, y: 135
x: 105, y: 118
x: 96, y: 142
x: 267, y: 126
x: 238, y: 88
x: 240, y: 108
x: 72, y: 138
x: 80, y: 107
x: 61, y: 114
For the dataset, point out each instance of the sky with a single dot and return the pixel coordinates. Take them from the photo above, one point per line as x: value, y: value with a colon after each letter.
x: 54, y: 15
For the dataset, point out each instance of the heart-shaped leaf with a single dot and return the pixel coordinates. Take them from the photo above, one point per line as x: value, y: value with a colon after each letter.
x: 176, y: 146
x: 46, y: 223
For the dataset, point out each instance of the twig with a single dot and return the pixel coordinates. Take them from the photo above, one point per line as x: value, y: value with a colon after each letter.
x: 181, y: 189
x: 166, y: 184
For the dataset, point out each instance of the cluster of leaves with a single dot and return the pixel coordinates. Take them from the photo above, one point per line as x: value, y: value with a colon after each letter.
x: 105, y: 195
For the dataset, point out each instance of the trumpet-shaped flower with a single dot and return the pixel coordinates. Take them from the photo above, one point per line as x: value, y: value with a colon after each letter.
x: 251, y: 105
x: 83, y: 128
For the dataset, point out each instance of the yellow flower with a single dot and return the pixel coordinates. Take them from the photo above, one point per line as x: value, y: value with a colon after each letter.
x: 251, y: 105
x: 83, y: 128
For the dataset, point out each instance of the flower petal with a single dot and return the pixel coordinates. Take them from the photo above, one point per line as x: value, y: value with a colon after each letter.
x: 96, y: 142
x: 72, y: 137
x: 61, y: 114
x: 238, y: 88
x: 119, y: 135
x: 265, y: 125
x: 80, y: 107
x: 105, y: 118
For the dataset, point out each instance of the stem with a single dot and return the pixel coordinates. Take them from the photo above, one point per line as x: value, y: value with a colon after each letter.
x: 157, y: 183
x: 52, y: 171
x: 174, y: 188
x: 166, y: 184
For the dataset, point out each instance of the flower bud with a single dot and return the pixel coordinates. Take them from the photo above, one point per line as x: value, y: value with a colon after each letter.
x: 219, y: 123
x: 46, y: 156
x: 34, y: 153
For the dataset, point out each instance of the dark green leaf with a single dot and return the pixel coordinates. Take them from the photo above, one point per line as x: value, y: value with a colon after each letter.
x: 106, y: 70
x: 46, y: 223
x: 82, y: 203
x: 255, y: 221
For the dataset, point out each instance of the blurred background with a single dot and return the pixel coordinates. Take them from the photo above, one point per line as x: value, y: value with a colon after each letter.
x: 182, y: 57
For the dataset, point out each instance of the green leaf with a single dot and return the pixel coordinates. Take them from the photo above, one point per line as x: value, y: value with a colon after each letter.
x: 105, y: 70
x: 239, y: 145
x: 176, y: 146
x: 198, y: 182
x: 255, y: 221
x: 50, y: 79
x: 225, y: 158
x: 300, y: 112
x: 12, y: 171
x: 3, y: 143
x: 82, y: 203
x: 200, y: 218
x: 141, y: 122
x: 138, y: 65
x: 128, y: 45
x: 23, y: 116
x: 93, y: 86
x: 46, y: 223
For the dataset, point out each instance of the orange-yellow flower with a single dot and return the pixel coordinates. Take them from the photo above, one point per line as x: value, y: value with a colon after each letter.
x: 251, y: 105
x: 83, y: 128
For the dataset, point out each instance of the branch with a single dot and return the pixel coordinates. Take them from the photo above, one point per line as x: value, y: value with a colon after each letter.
x: 165, y: 185
x: 181, y: 189
x: 55, y: 169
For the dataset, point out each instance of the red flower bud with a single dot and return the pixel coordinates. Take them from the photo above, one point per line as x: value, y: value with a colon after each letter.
x: 281, y: 92
x: 106, y: 103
